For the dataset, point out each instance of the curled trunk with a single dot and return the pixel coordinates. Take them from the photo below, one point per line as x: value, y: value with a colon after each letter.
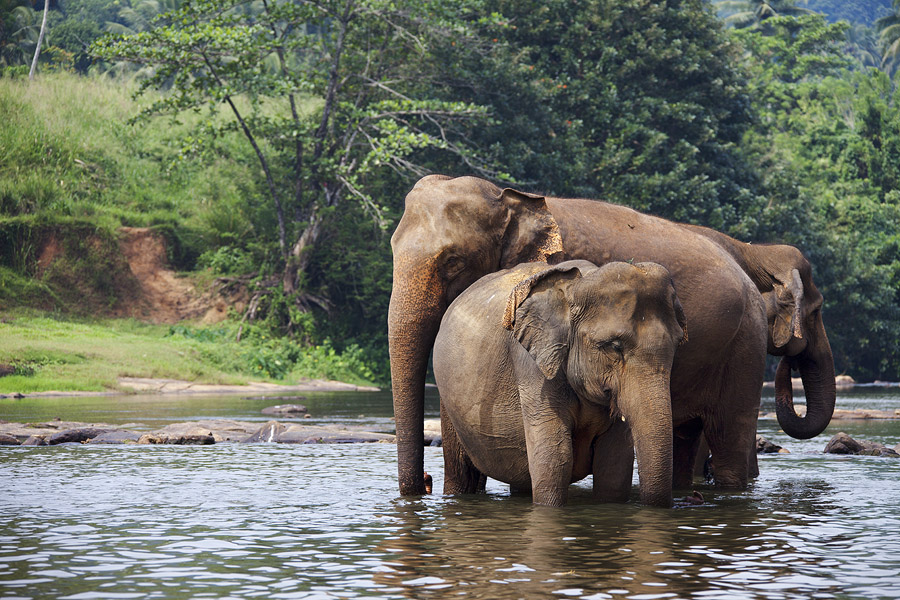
x: 818, y: 384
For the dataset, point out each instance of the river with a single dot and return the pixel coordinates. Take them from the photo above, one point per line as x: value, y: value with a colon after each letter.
x: 325, y: 521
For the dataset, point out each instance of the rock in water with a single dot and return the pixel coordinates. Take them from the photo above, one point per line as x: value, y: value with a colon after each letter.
x: 267, y: 433
x: 764, y: 446
x: 75, y: 435
x: 286, y: 410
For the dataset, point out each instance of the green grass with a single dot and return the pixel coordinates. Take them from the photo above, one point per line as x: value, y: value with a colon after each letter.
x: 67, y: 150
x: 54, y: 353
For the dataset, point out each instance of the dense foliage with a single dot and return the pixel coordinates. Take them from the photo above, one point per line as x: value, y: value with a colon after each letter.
x: 300, y: 126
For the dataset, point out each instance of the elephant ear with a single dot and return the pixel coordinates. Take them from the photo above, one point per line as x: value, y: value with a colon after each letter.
x: 788, y: 308
x: 531, y: 233
x: 538, y: 314
x: 682, y: 321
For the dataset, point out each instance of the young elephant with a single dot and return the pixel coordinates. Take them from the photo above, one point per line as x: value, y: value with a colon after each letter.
x: 547, y: 372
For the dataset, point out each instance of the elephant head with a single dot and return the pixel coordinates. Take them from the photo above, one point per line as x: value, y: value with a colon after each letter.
x: 797, y: 334
x: 452, y: 232
x: 612, y: 331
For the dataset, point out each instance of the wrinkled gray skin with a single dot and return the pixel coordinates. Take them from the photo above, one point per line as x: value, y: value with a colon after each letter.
x: 546, y: 373
x: 454, y: 231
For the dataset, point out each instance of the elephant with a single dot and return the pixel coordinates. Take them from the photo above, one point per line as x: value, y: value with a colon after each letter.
x: 547, y: 373
x: 796, y: 330
x: 456, y: 230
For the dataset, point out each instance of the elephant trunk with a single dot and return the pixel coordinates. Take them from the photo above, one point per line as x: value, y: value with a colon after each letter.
x: 647, y: 408
x: 413, y: 319
x: 816, y: 365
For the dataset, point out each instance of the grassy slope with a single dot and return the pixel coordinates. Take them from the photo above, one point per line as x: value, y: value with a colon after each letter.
x: 67, y: 157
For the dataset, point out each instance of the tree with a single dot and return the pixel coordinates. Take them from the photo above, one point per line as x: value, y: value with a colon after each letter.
x: 751, y: 13
x: 889, y: 39
x: 827, y: 145
x: 330, y: 94
x: 17, y: 31
x: 644, y: 105
x: 40, y: 40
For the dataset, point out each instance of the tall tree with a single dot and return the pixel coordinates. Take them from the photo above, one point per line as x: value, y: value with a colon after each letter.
x: 751, y: 13
x: 329, y: 93
x: 40, y: 40
x: 644, y: 105
x: 889, y: 39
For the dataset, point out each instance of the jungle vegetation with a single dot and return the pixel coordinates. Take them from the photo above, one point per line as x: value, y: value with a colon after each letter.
x: 275, y: 140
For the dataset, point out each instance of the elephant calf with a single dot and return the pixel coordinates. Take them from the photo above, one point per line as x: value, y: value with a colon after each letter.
x: 547, y: 374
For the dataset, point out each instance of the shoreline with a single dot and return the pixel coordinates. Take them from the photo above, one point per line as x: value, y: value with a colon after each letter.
x: 152, y: 385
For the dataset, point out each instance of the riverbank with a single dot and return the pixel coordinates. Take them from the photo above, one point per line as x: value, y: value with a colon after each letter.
x: 151, y: 385
x: 42, y: 353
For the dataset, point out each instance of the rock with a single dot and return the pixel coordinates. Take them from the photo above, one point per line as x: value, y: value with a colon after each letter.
x: 198, y: 439
x: 301, y: 434
x: 79, y: 435
x: 117, y: 436
x: 267, y: 433
x: 764, y: 446
x: 433, y: 432
x: 8, y: 440
x: 286, y: 410
x: 35, y: 440
x: 6, y: 370
x: 842, y: 443
x: 879, y: 450
x: 222, y: 430
x: 844, y: 381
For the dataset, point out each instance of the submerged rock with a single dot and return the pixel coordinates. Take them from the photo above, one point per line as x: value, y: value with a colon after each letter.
x: 764, y: 446
x: 300, y: 434
x: 842, y: 443
x: 286, y: 410
x: 80, y: 435
x: 198, y: 439
x: 117, y: 436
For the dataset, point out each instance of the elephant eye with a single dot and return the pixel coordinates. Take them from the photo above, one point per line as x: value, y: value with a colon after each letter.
x: 453, y: 266
x: 614, y: 345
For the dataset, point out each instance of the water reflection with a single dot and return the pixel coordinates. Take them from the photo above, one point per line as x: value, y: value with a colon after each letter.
x: 324, y: 521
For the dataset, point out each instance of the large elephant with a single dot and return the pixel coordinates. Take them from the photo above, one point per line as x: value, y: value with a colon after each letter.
x: 456, y: 230
x: 546, y: 373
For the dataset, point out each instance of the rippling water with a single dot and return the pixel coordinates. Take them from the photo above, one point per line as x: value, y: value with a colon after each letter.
x: 324, y: 521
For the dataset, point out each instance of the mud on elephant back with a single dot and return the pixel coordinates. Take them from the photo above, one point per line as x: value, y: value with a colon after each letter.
x: 738, y: 303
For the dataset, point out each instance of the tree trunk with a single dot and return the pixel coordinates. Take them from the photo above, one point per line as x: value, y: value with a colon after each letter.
x: 37, y: 51
x: 298, y: 258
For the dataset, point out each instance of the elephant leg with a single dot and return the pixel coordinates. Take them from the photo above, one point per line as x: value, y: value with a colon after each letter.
x: 613, y: 464
x: 732, y: 442
x: 685, y: 443
x: 753, y: 468
x: 460, y: 475
x: 700, y: 461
